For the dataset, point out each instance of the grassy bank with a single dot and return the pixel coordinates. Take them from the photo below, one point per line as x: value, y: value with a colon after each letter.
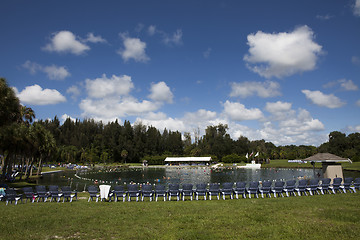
x: 286, y: 164
x: 316, y: 217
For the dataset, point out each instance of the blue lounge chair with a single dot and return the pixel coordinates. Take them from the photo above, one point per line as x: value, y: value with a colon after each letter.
x: 336, y: 185
x: 133, y: 191
x: 68, y: 195
x: 160, y: 191
x: 265, y: 189
x: 227, y: 189
x: 301, y: 188
x: 187, y: 191
x: 118, y: 192
x: 347, y: 185
x: 94, y: 193
x: 29, y: 194
x: 54, y: 193
x: 290, y: 188
x: 200, y: 190
x: 147, y: 191
x: 214, y: 190
x: 356, y: 184
x: 313, y: 186
x: 240, y: 189
x: 10, y: 196
x: 253, y: 189
x: 325, y: 184
x: 279, y: 189
x: 41, y: 193
x: 174, y: 191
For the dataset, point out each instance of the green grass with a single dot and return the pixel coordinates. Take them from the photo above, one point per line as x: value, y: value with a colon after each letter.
x: 285, y: 164
x: 316, y: 217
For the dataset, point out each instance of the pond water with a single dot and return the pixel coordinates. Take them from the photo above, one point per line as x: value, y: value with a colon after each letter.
x: 179, y: 175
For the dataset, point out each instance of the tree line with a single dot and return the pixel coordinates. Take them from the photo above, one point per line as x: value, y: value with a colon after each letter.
x: 27, y: 143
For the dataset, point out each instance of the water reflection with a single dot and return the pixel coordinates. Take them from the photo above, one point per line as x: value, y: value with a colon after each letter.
x: 178, y: 175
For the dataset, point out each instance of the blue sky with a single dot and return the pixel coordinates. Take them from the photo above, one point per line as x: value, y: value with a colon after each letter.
x: 284, y: 71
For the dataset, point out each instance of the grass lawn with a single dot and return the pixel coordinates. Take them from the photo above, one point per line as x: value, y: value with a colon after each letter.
x: 314, y: 217
x: 286, y: 164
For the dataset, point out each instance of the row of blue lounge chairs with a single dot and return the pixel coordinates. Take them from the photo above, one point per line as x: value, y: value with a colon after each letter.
x: 40, y: 193
x: 304, y: 187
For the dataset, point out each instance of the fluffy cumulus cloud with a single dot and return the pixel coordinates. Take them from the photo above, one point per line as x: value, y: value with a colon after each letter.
x: 112, y: 108
x: 260, y: 89
x: 134, y: 49
x: 56, y: 73
x: 53, y: 72
x: 74, y: 91
x: 110, y: 98
x: 151, y: 30
x: 161, y: 122
x: 323, y: 100
x: 94, y: 39
x: 275, y: 107
x: 357, y: 8
x: 66, y: 42
x: 105, y: 87
x: 347, y: 85
x: 175, y: 38
x: 238, y: 112
x: 64, y: 117
x: 284, y: 125
x: 36, y: 95
x: 282, y: 54
x: 160, y: 92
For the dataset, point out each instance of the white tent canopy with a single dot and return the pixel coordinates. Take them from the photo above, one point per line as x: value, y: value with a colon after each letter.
x: 188, y: 159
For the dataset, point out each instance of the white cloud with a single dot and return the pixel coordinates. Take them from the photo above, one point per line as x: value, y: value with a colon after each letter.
x: 278, y: 106
x: 176, y: 38
x: 323, y: 100
x: 160, y: 92
x: 64, y: 42
x: 357, y: 8
x: 355, y: 60
x: 105, y: 87
x: 94, y: 39
x: 110, y: 98
x: 200, y: 115
x: 167, y: 122
x: 74, y: 91
x: 207, y: 53
x: 261, y: 89
x: 237, y: 112
x: 32, y: 66
x: 358, y: 103
x: 112, y: 108
x: 64, y: 117
x: 352, y: 129
x: 134, y: 49
x: 35, y: 95
x: 348, y: 85
x: 324, y: 17
x: 152, y: 30
x: 282, y: 54
x: 53, y: 72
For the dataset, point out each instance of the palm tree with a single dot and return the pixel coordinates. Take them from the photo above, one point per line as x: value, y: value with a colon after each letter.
x: 9, y: 104
x: 27, y: 114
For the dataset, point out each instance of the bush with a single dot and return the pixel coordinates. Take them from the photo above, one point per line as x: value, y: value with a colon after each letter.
x: 232, y: 158
x: 154, y: 160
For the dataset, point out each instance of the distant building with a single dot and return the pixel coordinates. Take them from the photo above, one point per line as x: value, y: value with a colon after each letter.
x: 188, y: 160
